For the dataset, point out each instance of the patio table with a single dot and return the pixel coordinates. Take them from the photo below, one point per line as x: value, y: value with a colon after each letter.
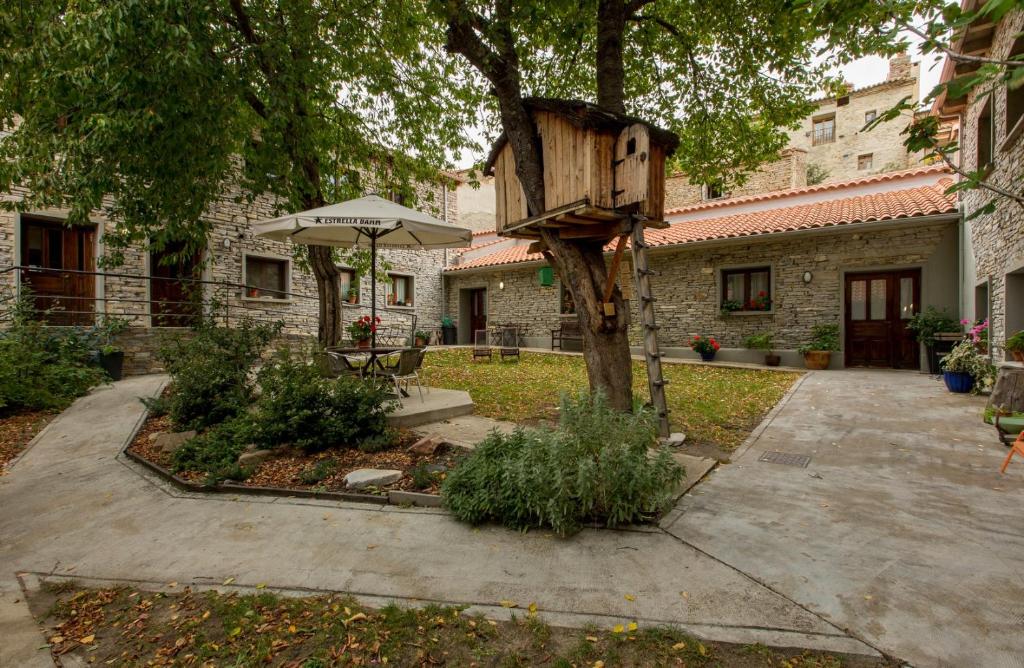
x: 373, y: 357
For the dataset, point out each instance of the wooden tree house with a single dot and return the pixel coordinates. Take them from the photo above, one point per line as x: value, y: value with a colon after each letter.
x: 604, y: 178
x: 600, y: 169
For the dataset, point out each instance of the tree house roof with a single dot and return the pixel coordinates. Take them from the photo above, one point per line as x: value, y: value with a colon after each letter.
x: 587, y: 116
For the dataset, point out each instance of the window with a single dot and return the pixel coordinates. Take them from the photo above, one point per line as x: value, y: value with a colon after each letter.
x: 348, y: 285
x: 865, y: 161
x: 870, y: 116
x: 400, y: 290
x: 747, y: 289
x: 824, y: 130
x: 985, y: 138
x: 1015, y: 96
x: 265, y: 277
x: 396, y: 196
x: 981, y: 301
x: 566, y: 304
x: 714, y: 190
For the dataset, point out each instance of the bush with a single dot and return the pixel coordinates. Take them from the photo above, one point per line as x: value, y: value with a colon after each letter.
x: 216, y: 451
x: 209, y: 371
x: 596, y: 466
x: 926, y: 324
x: 298, y: 406
x: 44, y: 367
x: 823, y: 338
x: 964, y: 358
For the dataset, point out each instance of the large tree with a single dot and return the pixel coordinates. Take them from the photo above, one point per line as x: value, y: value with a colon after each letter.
x: 728, y: 77
x: 155, y: 110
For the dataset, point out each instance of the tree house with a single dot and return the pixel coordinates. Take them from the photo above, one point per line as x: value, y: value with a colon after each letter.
x: 600, y: 169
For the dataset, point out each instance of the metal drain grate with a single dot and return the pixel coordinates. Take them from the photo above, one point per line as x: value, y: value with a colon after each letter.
x: 785, y: 458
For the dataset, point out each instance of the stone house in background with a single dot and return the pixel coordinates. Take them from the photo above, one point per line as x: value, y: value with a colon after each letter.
x: 865, y: 254
x: 245, y: 275
x: 992, y: 138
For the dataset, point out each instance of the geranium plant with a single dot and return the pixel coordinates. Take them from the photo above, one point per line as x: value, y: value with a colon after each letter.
x: 978, y: 333
x: 363, y: 328
x: 704, y: 345
x: 762, y: 302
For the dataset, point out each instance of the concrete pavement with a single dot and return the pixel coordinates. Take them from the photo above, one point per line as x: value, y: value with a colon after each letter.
x: 72, y: 507
x: 900, y: 529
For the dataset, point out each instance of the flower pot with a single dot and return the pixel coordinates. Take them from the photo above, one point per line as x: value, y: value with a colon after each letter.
x: 420, y: 342
x: 365, y: 343
x: 1018, y: 355
x: 958, y: 381
x: 817, y: 359
x: 707, y: 357
x: 113, y: 364
x: 449, y: 336
x: 353, y: 299
x: 772, y: 359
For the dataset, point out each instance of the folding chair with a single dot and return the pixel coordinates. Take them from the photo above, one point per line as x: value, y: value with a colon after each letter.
x: 405, y: 372
x: 1016, y: 449
x: 509, y: 342
x: 481, y: 346
x: 335, y: 364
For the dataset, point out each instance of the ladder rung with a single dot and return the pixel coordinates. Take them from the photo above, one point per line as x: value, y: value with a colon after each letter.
x: 648, y: 272
x: 655, y: 355
x: 661, y: 383
x: 652, y: 326
x: 649, y: 299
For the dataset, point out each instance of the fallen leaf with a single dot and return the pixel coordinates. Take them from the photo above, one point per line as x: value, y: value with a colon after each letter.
x: 292, y: 629
x: 509, y: 604
x: 56, y: 640
x: 355, y: 618
x: 87, y: 639
x: 632, y: 626
x: 630, y: 597
x: 684, y: 594
x: 532, y: 608
x: 206, y: 615
x: 235, y: 631
x: 261, y: 585
x: 592, y: 638
x: 599, y: 664
x: 702, y: 649
x: 371, y: 547
x: 229, y: 581
x: 172, y: 585
x: 679, y: 646
x: 618, y: 628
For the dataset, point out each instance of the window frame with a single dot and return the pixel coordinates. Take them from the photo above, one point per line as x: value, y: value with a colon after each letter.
x: 987, y: 117
x: 355, y: 281
x: 1013, y: 128
x: 870, y: 161
x: 874, y: 115
x: 268, y: 257
x: 746, y: 270
x: 389, y: 287
x: 814, y: 132
x: 707, y: 193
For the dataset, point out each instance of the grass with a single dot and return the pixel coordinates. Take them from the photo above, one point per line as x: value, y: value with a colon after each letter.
x: 129, y: 627
x: 711, y: 404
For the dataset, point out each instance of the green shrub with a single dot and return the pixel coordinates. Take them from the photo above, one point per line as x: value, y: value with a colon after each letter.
x: 41, y: 366
x: 926, y: 324
x: 596, y: 466
x: 216, y: 451
x: 209, y: 371
x: 824, y: 337
x: 318, y: 472
x: 422, y: 477
x: 298, y: 406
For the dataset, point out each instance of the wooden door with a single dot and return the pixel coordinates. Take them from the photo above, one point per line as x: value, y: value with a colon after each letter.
x: 175, y: 297
x: 58, y: 262
x: 878, y: 306
x: 477, y: 309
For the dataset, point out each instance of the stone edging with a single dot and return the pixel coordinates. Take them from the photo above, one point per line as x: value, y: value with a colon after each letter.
x: 393, y: 497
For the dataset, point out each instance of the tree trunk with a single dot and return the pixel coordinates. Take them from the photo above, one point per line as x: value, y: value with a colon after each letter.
x: 321, y: 261
x: 581, y: 267
x: 611, y: 73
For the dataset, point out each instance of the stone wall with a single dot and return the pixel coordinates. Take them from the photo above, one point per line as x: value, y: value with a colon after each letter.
x: 884, y: 143
x: 998, y: 238
x: 789, y: 171
x: 689, y: 283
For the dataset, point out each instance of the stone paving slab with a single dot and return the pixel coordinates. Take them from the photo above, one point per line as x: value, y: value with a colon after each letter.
x: 465, y: 431
x: 73, y: 508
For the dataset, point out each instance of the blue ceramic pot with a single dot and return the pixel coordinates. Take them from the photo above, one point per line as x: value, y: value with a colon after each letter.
x: 958, y: 381
x: 707, y: 357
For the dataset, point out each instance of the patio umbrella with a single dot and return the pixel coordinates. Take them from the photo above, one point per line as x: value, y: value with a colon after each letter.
x: 370, y: 219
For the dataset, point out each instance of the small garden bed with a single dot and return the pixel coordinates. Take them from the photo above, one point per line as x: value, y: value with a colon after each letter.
x: 17, y: 429
x: 294, y: 470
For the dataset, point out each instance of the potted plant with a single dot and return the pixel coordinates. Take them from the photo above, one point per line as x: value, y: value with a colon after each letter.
x: 108, y: 355
x: 927, y: 326
x: 978, y: 334
x: 705, y: 346
x: 818, y: 352
x: 1015, y: 346
x: 965, y: 369
x: 421, y: 339
x: 763, y: 341
x: 362, y: 329
x: 730, y: 305
x: 353, y: 295
x: 449, y: 335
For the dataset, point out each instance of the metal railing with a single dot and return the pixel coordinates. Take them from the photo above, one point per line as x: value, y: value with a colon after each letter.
x: 84, y: 297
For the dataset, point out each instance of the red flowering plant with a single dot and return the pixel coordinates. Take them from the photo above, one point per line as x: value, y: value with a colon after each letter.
x: 363, y: 328
x: 762, y: 302
x: 705, y: 345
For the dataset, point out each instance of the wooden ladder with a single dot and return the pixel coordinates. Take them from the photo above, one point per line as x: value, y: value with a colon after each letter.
x: 642, y: 280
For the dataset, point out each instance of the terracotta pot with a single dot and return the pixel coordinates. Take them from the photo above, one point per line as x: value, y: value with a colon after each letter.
x: 1018, y: 355
x: 772, y: 360
x: 353, y: 299
x: 420, y: 342
x: 365, y: 343
x: 817, y: 359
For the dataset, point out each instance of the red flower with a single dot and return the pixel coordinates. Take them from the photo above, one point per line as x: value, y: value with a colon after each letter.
x: 762, y: 294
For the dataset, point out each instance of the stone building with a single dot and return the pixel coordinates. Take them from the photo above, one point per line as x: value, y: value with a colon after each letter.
x: 241, y: 274
x: 991, y: 138
x: 864, y: 254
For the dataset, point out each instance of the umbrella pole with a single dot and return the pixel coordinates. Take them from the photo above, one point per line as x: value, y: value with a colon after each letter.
x: 373, y: 290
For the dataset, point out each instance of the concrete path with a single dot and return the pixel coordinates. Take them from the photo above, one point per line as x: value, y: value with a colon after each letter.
x: 72, y: 507
x: 900, y: 529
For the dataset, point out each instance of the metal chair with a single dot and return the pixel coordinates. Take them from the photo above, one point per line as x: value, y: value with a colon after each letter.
x: 509, y: 342
x: 404, y: 371
x: 422, y: 375
x: 481, y: 345
x: 335, y: 364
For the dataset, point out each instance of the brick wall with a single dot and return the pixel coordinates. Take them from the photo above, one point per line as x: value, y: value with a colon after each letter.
x: 998, y: 238
x: 689, y: 283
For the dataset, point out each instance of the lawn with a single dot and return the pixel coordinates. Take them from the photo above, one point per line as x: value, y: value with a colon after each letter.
x: 129, y: 627
x: 711, y: 404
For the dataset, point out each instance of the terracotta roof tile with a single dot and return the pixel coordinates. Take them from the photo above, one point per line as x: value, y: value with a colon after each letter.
x: 891, y: 205
x: 822, y: 187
